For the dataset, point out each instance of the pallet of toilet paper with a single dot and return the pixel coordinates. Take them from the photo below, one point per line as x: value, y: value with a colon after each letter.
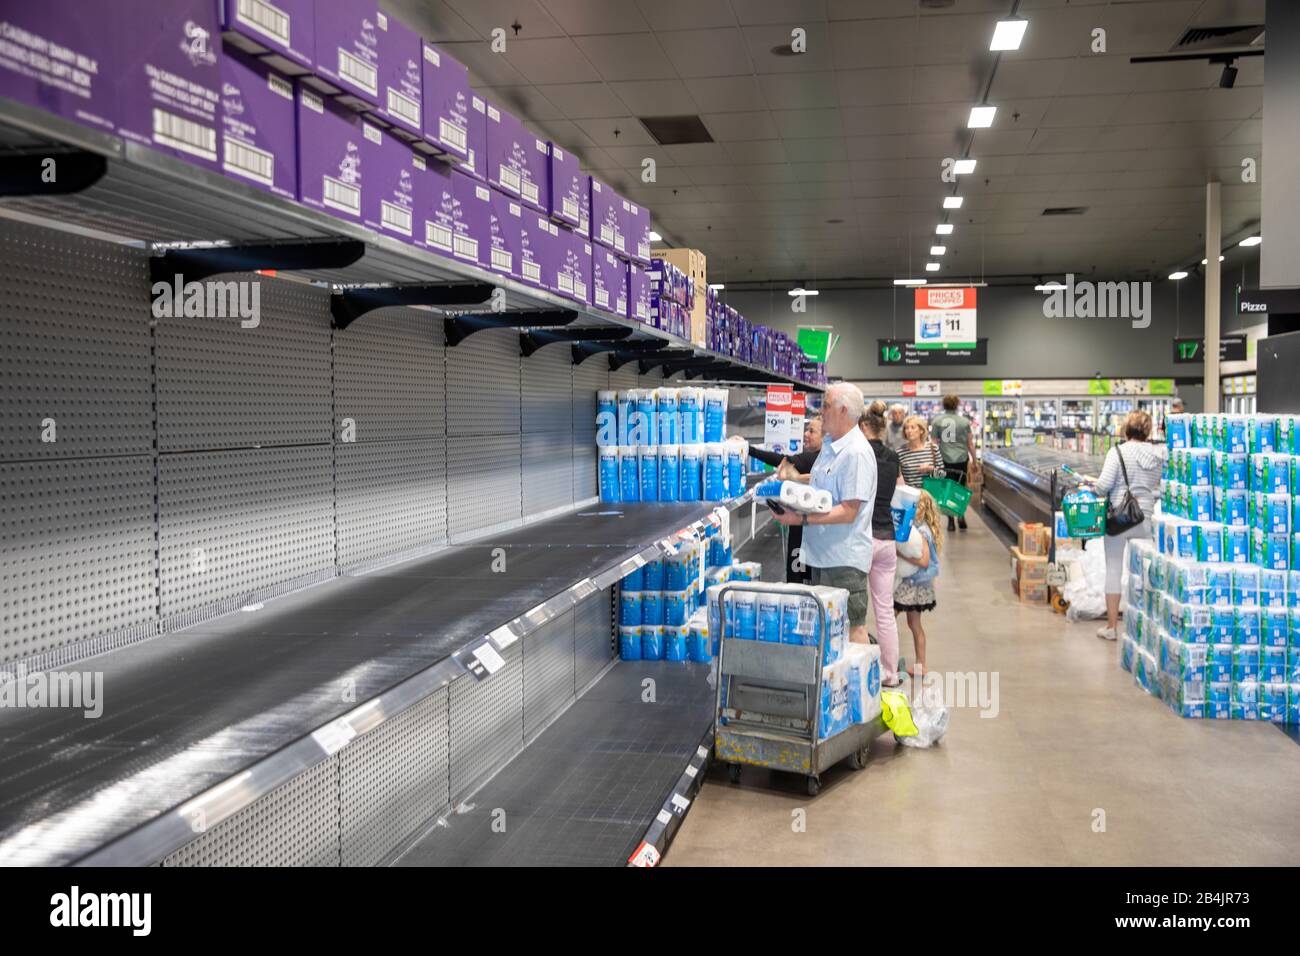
x: 795, y: 496
x: 667, y: 444
x: 793, y: 614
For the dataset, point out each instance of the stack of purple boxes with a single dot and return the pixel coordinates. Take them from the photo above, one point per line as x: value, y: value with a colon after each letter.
x: 672, y: 296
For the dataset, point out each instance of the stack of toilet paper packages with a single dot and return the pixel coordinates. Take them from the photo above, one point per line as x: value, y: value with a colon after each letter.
x: 784, y: 614
x: 796, y: 496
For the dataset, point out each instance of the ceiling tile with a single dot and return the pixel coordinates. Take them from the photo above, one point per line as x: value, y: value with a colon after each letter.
x: 748, y: 152
x: 487, y: 15
x: 584, y: 100
x: 727, y: 94
x: 740, y: 126
x: 687, y: 14
x: 811, y: 150
x: 627, y: 56
x: 629, y: 131
x: 785, y: 91
x: 873, y: 87
x: 764, y: 41
x: 707, y: 52
x: 655, y: 97
x: 584, y: 17
x: 800, y: 124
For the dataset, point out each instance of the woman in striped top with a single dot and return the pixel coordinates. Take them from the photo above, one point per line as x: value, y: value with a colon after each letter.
x: 920, y: 459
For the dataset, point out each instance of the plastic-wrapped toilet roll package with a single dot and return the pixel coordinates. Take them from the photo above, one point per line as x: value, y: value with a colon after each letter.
x: 649, y: 456
x: 688, y: 412
x: 797, y: 617
x: 610, y: 491
x: 796, y: 496
x: 715, y: 414
x: 644, y: 430
x: 607, y: 430
x: 737, y: 453
x: 629, y: 468
x: 903, y: 506
x: 715, y: 471
x: 669, y: 472
x: 690, y: 470
x: 668, y: 420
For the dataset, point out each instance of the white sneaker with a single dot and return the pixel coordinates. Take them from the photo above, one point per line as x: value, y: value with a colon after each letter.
x: 1107, y: 633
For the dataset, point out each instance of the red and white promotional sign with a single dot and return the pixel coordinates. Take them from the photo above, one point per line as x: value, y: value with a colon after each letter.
x: 945, y: 318
x: 776, y: 430
x: 644, y: 856
x: 798, y: 408
x: 909, y: 389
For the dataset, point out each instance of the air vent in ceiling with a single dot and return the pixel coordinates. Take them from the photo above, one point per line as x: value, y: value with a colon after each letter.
x: 676, y: 130
x: 1065, y: 210
x: 1213, y: 38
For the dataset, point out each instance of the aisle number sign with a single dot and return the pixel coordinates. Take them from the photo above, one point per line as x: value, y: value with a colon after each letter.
x: 776, y: 428
x: 945, y: 318
x: 798, y: 405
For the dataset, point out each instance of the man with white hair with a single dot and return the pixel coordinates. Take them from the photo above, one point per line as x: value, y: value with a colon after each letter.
x: 894, y: 438
x: 837, y: 545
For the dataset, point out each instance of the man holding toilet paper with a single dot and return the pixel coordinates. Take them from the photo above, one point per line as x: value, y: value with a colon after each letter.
x: 837, y: 545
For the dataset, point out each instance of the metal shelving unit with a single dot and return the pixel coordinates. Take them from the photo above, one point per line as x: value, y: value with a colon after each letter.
x: 123, y: 190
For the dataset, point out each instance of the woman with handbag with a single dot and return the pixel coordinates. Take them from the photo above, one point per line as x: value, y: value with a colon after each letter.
x: 1130, y: 479
x: 921, y: 458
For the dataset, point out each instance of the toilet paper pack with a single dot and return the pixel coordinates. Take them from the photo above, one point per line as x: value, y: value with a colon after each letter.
x: 863, y: 661
x: 834, y: 710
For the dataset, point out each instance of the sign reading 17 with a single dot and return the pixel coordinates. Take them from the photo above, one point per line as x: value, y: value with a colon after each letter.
x: 1188, y: 350
x: 891, y: 353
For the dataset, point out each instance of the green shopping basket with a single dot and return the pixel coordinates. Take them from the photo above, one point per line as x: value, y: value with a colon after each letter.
x: 951, y: 497
x: 1085, y: 518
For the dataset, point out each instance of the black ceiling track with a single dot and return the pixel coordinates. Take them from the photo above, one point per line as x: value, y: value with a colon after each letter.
x: 530, y: 342
x: 197, y: 264
x: 463, y: 326
x: 50, y: 172
x: 348, y: 305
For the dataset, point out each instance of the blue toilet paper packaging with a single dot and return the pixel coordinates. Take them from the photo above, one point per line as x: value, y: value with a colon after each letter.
x: 676, y: 609
x: 744, y: 611
x: 1218, y: 692
x: 652, y: 642
x: 1192, y: 623
x: 863, y: 662
x: 1178, y: 431
x: 1261, y: 434
x: 669, y: 472
x: 1223, y: 624
x: 1218, y: 584
x: 1127, y: 648
x: 654, y: 575
x: 676, y: 638
x: 629, y: 467
x: 736, y: 453
x: 1231, y: 471
x: 649, y: 467
x: 689, y: 469
x: 834, y: 716
x: 1236, y: 545
x: 610, y: 488
x: 626, y: 406
x: 1272, y: 663
x: 715, y: 471
x: 632, y: 580
x: 629, y: 643
x: 769, y: 617
x: 1271, y: 550
x: 1250, y: 628
x: 1245, y: 585
x: 645, y: 429
x: 1275, y: 626
x: 607, y: 420
x: 1232, y: 507
x: 1245, y: 662
x: 1271, y: 473
x: 679, y: 570
x: 652, y: 607
x: 1199, y: 470
x: 715, y: 414
x: 791, y: 630
x: 1293, y: 664
x: 1209, y: 541
x: 1272, y: 701
x: 1275, y: 513
x: 699, y: 648
x: 667, y: 418
x: 1201, y: 505
x: 1286, y: 434
x: 1293, y: 586
x: 629, y: 608
x: 1219, y: 662
x: 1233, y: 435
x: 1186, y: 698
x: 688, y: 412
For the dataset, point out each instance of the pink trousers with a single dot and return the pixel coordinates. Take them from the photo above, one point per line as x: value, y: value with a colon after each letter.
x: 884, y: 560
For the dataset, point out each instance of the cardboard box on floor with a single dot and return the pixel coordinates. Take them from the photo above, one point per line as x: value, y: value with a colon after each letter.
x: 695, y: 265
x: 1034, y: 538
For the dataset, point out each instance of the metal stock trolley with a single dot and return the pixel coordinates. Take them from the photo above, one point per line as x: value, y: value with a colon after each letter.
x: 768, y: 711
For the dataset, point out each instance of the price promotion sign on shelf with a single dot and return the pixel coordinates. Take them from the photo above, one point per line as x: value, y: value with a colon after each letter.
x: 798, y: 406
x: 945, y: 318
x: 776, y: 428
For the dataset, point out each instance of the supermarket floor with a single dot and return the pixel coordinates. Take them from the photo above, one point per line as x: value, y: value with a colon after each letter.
x: 1073, y: 738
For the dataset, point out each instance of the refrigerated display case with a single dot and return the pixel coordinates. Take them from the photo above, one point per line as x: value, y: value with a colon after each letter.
x: 1000, y: 416
x: 1077, y: 414
x: 1018, y: 481
x: 927, y: 408
x: 1038, y: 413
x: 1111, y: 413
x: 1158, y: 409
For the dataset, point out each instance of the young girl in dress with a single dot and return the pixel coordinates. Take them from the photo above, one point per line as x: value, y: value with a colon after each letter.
x: 914, y: 593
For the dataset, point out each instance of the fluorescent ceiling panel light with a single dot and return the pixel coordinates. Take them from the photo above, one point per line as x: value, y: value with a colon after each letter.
x: 943, y: 229
x: 1008, y: 34
x: 1178, y: 275
x: 1251, y: 241
x: 963, y: 166
x: 1205, y: 262
x: 952, y: 202
x: 1049, y: 287
x: 909, y: 282
x: 716, y: 286
x: 932, y: 267
x: 655, y: 237
x: 938, y: 250
x: 802, y: 291
x: 981, y: 117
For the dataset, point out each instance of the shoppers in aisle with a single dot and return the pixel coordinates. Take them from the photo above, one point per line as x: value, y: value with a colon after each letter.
x: 921, y: 458
x: 1134, y: 466
x: 956, y: 445
x: 884, y: 556
x: 796, y: 572
x: 837, y: 545
x: 895, y: 439
x: 914, y: 592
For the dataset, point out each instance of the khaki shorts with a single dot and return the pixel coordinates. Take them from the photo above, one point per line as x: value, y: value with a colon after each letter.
x: 853, y: 581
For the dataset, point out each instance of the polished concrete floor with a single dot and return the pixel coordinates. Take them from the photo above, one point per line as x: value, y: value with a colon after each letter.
x: 1079, y: 767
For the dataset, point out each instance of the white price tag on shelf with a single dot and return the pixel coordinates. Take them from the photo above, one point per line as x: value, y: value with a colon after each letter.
x: 487, y: 656
x: 691, y: 770
x: 503, y: 637
x: 701, y: 751
x: 680, y: 803
x: 334, y: 736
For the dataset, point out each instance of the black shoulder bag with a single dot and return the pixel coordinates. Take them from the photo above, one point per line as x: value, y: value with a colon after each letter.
x: 1129, y: 513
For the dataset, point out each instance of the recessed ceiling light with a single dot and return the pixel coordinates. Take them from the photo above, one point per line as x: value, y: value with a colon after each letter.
x: 938, y: 250
x: 952, y: 202
x: 1178, y: 275
x: 963, y: 166
x: 1204, y: 262
x: 1049, y: 287
x: 909, y: 282
x: 932, y: 267
x: 1251, y: 241
x: 981, y: 117
x: 943, y: 229
x: 716, y: 286
x: 655, y: 237
x: 800, y: 290
x: 1008, y: 34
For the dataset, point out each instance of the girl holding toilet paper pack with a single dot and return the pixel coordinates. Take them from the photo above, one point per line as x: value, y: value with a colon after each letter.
x: 914, y: 593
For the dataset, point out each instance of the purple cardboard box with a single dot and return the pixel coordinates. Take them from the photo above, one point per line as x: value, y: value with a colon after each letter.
x: 57, y: 55
x: 257, y: 125
x: 400, y: 83
x: 608, y: 281
x: 638, y: 293
x: 506, y: 234
x: 552, y: 255
x: 502, y: 137
x: 282, y: 32
x: 389, y: 202
x: 564, y: 185
x: 534, y: 249
x: 581, y: 246
x: 606, y: 215
x: 329, y: 155
x: 573, y: 265
x: 453, y: 116
x: 635, y: 226
x: 473, y: 239
x: 168, y: 78
x: 438, y: 208
x: 347, y: 52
